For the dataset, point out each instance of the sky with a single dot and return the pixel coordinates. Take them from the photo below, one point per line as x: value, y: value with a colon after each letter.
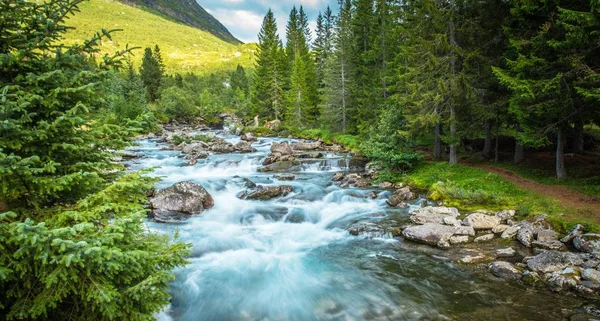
x: 243, y: 18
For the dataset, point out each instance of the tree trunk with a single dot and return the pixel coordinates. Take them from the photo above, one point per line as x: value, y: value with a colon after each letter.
x: 452, y: 159
x: 437, y: 146
x: 578, y: 139
x: 561, y: 172
x: 497, y: 149
x: 487, y: 148
x: 519, y: 152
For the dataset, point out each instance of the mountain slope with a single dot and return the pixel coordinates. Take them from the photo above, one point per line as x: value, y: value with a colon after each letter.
x: 184, y: 48
x: 188, y: 12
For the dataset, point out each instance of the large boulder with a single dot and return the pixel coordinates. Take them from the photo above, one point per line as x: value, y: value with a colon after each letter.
x: 266, y: 193
x: 281, y: 166
x: 505, y: 270
x: 244, y: 147
x: 433, y: 234
x: 525, y: 234
x: 588, y: 243
x: 306, y: 146
x: 573, y: 233
x: 282, y: 148
x: 183, y: 197
x: 480, y: 221
x: 552, y: 261
x: 432, y: 214
x: 400, y: 195
x: 222, y: 148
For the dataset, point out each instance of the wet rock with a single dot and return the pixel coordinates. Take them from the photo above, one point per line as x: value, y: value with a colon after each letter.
x: 400, y: 195
x: 281, y: 148
x: 588, y: 243
x: 506, y: 215
x: 248, y: 137
x: 452, y: 221
x: 306, y: 146
x: 505, y: 270
x: 281, y: 166
x: 431, y: 210
x: 433, y: 234
x: 244, y: 147
x: 484, y: 238
x: 368, y: 230
x: 481, y: 221
x: 546, y: 235
x: 555, y: 245
x: 525, y: 234
x: 505, y: 252
x: 573, y: 233
x: 222, y: 147
x: 500, y: 228
x: 337, y: 177
x: 386, y: 185
x: 266, y: 193
x: 559, y: 282
x: 295, y: 216
x: 470, y: 256
x: 591, y: 275
x: 459, y: 239
x: 184, y: 197
x: 552, y: 261
x: 285, y: 177
x: 464, y: 230
x: 531, y: 277
x: 333, y: 148
x: 372, y: 195
x: 358, y: 162
x: 309, y: 155
x: 510, y: 232
x: 362, y: 183
x: 245, y: 181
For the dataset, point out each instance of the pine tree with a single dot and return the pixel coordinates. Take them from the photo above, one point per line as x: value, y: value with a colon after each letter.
x: 323, y: 45
x: 267, y: 94
x: 159, y: 60
x: 74, y: 242
x: 239, y: 80
x: 151, y: 74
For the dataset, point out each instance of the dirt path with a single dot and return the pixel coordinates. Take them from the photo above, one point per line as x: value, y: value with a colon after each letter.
x: 586, y: 205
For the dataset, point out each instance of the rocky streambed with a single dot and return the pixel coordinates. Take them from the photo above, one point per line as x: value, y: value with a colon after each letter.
x: 284, y: 229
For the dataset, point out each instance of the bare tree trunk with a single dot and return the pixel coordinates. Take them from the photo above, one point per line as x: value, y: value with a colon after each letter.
x: 437, y: 145
x: 561, y: 172
x: 487, y: 147
x: 343, y: 96
x: 578, y: 138
x: 519, y: 152
x: 497, y: 149
x: 453, y: 158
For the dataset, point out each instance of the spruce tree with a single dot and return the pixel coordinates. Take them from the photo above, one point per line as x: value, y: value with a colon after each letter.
x: 151, y: 74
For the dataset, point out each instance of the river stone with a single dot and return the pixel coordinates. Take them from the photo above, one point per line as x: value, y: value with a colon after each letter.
x: 281, y: 148
x: 244, y: 147
x: 280, y: 166
x: 525, y: 234
x: 337, y: 177
x: 464, y: 230
x: 552, y: 261
x: 247, y: 137
x: 306, y: 145
x: 559, y: 282
x: 510, y: 232
x: 362, y: 183
x: 481, y: 221
x: 266, y: 193
x: 452, y: 221
x: 194, y: 148
x: 459, y: 239
x: 547, y: 235
x: 506, y: 252
x: 399, y: 196
x: 500, y: 228
x: 470, y: 256
x: 505, y: 215
x: 591, y: 275
x: 505, y: 270
x: 222, y: 148
x: 447, y: 211
x: 386, y: 185
x: 285, y: 177
x: 588, y: 243
x: 573, y: 233
x: 555, y: 245
x: 433, y: 234
x: 484, y: 238
x: 184, y: 197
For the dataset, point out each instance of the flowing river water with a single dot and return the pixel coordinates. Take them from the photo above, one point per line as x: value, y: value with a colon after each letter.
x: 292, y: 258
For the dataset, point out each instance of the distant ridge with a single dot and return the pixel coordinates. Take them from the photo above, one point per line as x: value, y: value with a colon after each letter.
x: 188, y: 12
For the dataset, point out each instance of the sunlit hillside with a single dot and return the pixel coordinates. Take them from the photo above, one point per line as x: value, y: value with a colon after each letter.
x: 183, y: 48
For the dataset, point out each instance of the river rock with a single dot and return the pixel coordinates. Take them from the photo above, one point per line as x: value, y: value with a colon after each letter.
x: 282, y: 148
x: 588, y: 243
x: 505, y: 270
x: 525, y: 234
x: 266, y: 193
x: 423, y: 216
x: 400, y: 195
x: 386, y: 185
x: 573, y: 233
x: 481, y: 221
x: 433, y: 234
x: 337, y: 177
x: 309, y: 155
x: 552, y: 261
x: 452, y: 221
x: 591, y: 275
x: 306, y: 145
x: 428, y: 210
x: 280, y: 166
x: 372, y: 169
x: 222, y: 147
x: 183, y: 197
x: 358, y: 162
x: 459, y: 239
x: 546, y: 235
x: 555, y: 245
x: 505, y: 215
x: 560, y: 281
x: 244, y: 147
x: 464, y: 230
x: 247, y: 137
x: 470, y: 256
x: 484, y: 238
x: 367, y: 230
x: 285, y: 177
x: 500, y: 228
x: 510, y: 232
x: 362, y: 183
x: 505, y: 252
x: 194, y: 148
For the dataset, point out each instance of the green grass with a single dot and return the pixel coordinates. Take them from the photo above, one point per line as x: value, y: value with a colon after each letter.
x: 183, y: 48
x: 469, y: 188
x: 350, y: 142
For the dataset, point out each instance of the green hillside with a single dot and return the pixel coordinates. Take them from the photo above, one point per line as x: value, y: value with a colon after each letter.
x: 184, y: 48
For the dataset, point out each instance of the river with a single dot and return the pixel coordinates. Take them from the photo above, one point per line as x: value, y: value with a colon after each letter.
x: 292, y: 258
